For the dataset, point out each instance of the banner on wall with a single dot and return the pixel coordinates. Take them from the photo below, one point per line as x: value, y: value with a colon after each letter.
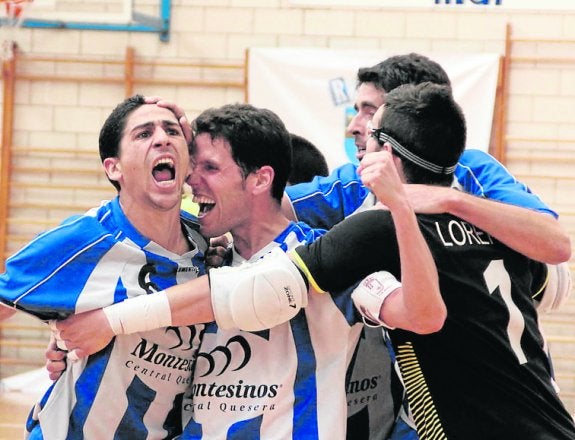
x: 481, y: 5
x: 312, y: 90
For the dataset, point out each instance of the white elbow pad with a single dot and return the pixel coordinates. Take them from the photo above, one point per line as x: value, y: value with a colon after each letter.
x: 257, y: 296
x: 557, y: 289
x: 370, y: 294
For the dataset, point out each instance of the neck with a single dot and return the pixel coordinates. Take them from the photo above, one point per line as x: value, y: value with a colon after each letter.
x: 162, y: 226
x: 259, y: 233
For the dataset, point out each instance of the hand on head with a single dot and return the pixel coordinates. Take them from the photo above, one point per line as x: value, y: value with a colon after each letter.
x: 178, y: 111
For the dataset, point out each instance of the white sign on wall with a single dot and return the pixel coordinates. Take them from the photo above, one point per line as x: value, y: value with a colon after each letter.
x: 481, y: 5
x: 312, y: 90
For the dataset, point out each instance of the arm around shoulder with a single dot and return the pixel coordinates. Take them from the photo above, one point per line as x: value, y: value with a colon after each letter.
x: 535, y: 234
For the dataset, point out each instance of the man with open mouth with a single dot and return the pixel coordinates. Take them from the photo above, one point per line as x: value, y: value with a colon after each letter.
x: 132, y: 246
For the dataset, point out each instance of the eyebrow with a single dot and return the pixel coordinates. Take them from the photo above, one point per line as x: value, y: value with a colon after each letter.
x: 149, y: 123
x: 364, y: 104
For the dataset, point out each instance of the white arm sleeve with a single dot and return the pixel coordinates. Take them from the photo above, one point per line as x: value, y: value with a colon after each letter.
x: 257, y: 296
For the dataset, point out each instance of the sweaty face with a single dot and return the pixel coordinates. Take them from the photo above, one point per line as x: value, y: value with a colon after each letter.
x: 368, y: 100
x: 153, y: 159
x: 218, y: 187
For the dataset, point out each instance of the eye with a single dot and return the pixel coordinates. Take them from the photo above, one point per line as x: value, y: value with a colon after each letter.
x: 174, y: 131
x: 143, y: 134
x: 204, y: 167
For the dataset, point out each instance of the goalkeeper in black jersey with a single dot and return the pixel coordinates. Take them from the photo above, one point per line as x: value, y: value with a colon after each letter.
x: 485, y: 374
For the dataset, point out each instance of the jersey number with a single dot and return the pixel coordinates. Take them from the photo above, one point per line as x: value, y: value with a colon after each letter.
x: 497, y: 277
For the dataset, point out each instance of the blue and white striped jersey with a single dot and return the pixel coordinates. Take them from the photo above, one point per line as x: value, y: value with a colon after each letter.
x: 283, y: 383
x: 134, y: 387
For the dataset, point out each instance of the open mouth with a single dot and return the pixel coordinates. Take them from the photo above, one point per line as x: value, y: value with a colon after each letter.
x: 205, y: 204
x: 361, y: 148
x: 164, y: 171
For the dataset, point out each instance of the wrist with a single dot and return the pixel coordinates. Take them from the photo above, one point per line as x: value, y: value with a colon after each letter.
x: 139, y: 314
x: 452, y: 201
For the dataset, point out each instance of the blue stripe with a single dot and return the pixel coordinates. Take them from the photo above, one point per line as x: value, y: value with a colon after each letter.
x: 246, y: 429
x: 86, y: 388
x: 192, y: 431
x: 305, y: 423
x: 140, y: 397
x: 173, y: 423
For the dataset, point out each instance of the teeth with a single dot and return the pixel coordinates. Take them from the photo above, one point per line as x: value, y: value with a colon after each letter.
x: 206, y: 204
x: 164, y: 171
x: 202, y: 199
x: 164, y: 161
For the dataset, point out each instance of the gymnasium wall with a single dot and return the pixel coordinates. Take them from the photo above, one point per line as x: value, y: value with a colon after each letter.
x: 539, y: 132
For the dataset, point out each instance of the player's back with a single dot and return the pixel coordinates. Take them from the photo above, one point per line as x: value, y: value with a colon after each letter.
x: 485, y: 374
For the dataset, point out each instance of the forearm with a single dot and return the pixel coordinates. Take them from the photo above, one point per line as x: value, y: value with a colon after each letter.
x: 420, y: 307
x: 190, y: 302
x: 89, y: 332
x: 532, y: 233
x: 250, y: 297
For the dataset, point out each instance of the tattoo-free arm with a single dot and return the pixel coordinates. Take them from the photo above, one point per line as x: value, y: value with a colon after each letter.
x: 535, y: 234
x: 89, y: 332
x: 417, y: 306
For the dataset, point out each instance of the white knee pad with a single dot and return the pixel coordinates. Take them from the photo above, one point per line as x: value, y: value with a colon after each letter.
x: 257, y: 296
x: 557, y: 290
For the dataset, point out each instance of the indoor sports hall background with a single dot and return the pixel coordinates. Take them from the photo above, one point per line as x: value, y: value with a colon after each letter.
x: 74, y: 60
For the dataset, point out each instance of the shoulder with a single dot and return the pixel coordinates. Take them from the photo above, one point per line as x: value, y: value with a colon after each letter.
x: 471, y: 155
x: 343, y: 175
x: 304, y: 232
x: 478, y: 161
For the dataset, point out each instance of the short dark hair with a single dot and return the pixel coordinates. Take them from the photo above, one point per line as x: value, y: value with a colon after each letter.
x: 426, y: 120
x: 396, y: 70
x: 257, y: 137
x: 308, y: 161
x: 113, y: 129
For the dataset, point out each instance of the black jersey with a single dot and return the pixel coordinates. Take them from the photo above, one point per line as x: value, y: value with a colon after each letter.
x: 485, y: 374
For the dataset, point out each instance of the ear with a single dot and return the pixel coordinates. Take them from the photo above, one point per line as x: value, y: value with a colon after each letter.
x: 263, y: 179
x: 398, y: 162
x: 113, y: 168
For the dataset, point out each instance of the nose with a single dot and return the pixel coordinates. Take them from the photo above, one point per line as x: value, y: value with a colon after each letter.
x: 161, y: 137
x: 193, y: 176
x: 354, y: 126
